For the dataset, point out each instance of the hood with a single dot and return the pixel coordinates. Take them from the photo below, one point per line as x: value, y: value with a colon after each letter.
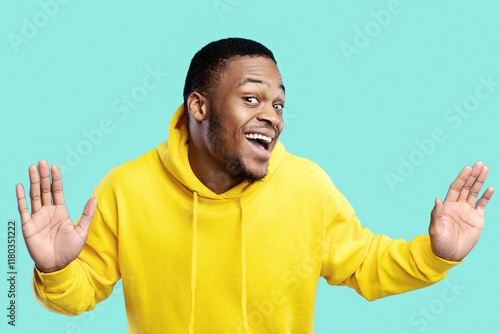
x: 174, y: 155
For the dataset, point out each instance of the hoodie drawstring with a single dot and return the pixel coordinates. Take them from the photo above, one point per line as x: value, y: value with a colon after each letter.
x: 193, y: 267
x: 243, y: 274
x: 193, y: 256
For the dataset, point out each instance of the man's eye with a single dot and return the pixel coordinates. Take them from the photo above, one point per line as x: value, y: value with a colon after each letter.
x: 251, y: 99
x: 278, y: 106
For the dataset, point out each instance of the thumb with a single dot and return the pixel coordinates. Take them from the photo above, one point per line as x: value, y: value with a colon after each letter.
x: 436, y: 215
x: 87, y: 215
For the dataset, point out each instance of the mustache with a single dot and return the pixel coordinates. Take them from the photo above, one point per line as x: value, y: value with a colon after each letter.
x: 266, y: 128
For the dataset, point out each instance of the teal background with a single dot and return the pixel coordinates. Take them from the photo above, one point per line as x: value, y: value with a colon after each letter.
x: 355, y: 116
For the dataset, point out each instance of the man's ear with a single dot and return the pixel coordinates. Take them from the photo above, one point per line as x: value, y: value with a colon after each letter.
x: 197, y: 106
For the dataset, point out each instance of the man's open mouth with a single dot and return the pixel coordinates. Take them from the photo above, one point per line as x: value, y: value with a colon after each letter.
x: 259, y: 139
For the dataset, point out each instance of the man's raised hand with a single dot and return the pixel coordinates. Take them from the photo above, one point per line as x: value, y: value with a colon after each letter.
x: 52, y: 239
x: 457, y: 223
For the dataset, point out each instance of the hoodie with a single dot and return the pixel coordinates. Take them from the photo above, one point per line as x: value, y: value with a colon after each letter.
x: 244, y: 261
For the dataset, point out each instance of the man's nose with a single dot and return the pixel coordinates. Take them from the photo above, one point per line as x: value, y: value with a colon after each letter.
x: 270, y: 115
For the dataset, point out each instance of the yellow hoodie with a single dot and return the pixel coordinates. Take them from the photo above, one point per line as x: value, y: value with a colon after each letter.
x: 245, y: 261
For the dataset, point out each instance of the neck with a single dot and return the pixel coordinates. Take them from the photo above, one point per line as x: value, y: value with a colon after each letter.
x: 213, y: 176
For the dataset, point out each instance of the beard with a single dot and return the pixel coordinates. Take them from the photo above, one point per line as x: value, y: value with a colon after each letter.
x: 234, y: 164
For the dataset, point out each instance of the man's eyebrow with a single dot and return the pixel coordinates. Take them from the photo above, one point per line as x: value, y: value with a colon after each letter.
x: 257, y: 81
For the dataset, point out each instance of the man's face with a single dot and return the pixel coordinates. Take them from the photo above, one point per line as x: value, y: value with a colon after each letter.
x: 245, y: 117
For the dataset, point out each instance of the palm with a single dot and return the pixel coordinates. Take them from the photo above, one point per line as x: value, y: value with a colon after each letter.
x: 52, y: 239
x: 51, y: 233
x: 457, y: 223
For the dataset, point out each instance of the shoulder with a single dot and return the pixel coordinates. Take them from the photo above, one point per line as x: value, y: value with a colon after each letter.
x: 131, y: 173
x: 298, y: 168
x: 307, y: 182
x: 301, y: 175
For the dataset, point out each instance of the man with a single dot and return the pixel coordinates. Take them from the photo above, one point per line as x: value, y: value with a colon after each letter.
x: 220, y: 230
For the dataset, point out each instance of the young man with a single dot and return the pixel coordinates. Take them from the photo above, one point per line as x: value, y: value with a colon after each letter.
x: 220, y: 230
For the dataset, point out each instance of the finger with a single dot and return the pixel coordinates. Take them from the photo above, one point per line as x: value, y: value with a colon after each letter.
x: 21, y: 204
x: 436, y: 217
x: 57, y: 187
x: 476, y: 187
x: 481, y: 204
x: 458, y: 184
x: 437, y: 212
x: 87, y: 215
x: 43, y: 167
x: 476, y: 171
x: 34, y: 189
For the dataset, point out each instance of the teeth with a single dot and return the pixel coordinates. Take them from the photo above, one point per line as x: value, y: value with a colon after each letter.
x: 258, y: 136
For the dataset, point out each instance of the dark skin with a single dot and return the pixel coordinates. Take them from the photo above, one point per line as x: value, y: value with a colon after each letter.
x: 248, y: 103
x: 248, y: 100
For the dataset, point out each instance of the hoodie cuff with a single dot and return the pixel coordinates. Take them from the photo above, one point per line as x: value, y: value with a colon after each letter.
x: 432, y: 264
x: 57, y: 281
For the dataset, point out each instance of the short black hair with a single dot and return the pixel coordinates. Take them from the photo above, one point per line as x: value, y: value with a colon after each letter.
x: 209, y: 63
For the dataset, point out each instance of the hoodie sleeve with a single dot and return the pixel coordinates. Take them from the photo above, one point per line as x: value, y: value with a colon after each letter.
x: 87, y: 280
x: 375, y: 265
